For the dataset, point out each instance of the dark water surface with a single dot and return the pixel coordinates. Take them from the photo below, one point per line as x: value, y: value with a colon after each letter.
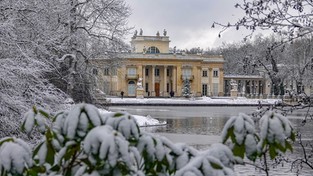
x: 201, y: 126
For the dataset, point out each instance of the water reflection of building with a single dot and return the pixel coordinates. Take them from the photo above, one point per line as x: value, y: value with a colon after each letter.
x: 196, y: 125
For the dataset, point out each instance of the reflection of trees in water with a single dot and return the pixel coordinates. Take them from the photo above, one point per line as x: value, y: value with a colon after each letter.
x: 305, y: 129
x: 194, y: 125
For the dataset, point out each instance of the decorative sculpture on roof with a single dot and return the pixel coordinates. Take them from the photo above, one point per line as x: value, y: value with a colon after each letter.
x: 164, y: 32
x: 144, y: 50
x: 135, y: 34
x: 141, y: 32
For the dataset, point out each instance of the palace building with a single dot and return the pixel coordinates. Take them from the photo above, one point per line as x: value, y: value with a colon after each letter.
x: 159, y: 70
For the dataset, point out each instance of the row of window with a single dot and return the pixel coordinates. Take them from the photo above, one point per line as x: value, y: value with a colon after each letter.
x: 186, y: 72
x: 106, y: 71
x: 157, y: 72
x: 214, y: 89
x: 205, y: 73
x: 132, y: 71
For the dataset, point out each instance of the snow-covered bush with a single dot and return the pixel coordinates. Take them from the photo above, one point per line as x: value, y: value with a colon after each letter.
x: 15, y: 156
x: 275, y: 132
x: 241, y: 130
x: 273, y: 137
x: 81, y: 141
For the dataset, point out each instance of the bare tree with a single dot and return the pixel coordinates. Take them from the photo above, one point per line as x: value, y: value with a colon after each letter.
x: 299, y: 56
x: 102, y: 22
x: 44, y: 42
x: 290, y: 18
x: 237, y: 57
x: 292, y: 21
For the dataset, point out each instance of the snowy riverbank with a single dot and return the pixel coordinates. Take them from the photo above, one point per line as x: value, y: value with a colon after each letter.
x: 198, y: 101
x: 142, y: 121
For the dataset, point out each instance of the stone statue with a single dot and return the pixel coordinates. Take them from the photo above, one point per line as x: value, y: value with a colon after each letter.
x: 139, y: 90
x: 135, y: 34
x: 234, y: 85
x: 141, y: 31
x: 164, y: 32
x: 139, y: 83
x: 174, y: 50
x: 158, y: 34
x: 144, y: 50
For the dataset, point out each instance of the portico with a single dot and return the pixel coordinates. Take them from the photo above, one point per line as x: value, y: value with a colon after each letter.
x: 159, y: 79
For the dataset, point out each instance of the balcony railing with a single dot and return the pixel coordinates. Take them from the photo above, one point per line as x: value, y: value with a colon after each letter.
x: 131, y: 76
x: 189, y: 77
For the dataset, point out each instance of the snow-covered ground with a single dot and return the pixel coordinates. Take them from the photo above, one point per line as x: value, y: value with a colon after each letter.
x: 143, y: 121
x: 190, y: 101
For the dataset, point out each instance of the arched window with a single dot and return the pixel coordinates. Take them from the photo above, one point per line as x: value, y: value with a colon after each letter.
x: 153, y: 50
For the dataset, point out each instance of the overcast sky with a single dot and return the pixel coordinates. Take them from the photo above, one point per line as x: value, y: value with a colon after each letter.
x: 188, y: 22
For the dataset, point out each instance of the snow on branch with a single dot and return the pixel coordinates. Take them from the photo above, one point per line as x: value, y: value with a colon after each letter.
x: 83, y: 141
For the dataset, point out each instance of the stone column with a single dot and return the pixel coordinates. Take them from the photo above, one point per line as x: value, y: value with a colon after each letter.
x: 139, y: 72
x: 221, y: 81
x: 178, y: 81
x: 239, y: 88
x: 165, y: 81
x: 153, y: 81
x: 174, y: 77
x: 260, y: 89
x: 251, y: 89
x: 244, y: 88
x: 210, y: 86
x: 198, y: 82
x: 144, y: 77
x: 256, y: 89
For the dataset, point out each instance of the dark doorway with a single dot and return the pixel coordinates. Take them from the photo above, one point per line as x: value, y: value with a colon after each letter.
x: 157, y: 89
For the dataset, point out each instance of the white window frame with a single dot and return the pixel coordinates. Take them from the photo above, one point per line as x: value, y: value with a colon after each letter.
x: 186, y: 72
x: 132, y: 71
x: 215, y: 73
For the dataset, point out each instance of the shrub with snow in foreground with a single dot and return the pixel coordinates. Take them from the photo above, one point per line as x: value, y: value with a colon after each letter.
x: 84, y: 142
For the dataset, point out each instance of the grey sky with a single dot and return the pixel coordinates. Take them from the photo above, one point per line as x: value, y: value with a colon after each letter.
x: 188, y: 22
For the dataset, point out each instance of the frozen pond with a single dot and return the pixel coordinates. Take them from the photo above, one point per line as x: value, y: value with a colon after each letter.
x: 201, y: 126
